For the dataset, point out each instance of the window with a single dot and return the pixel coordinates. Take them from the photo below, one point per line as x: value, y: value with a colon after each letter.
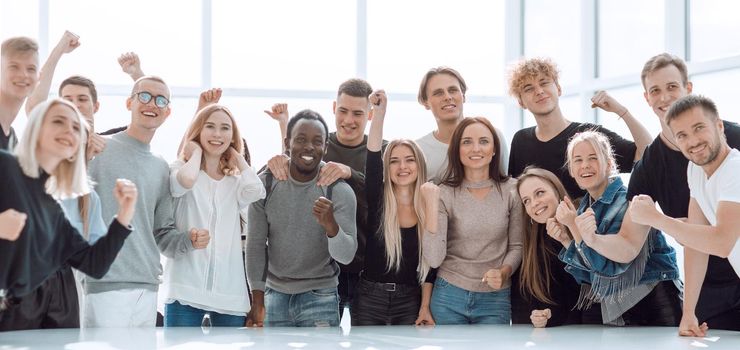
x: 288, y: 44
x: 553, y: 29
x: 169, y: 45
x: 406, y: 38
x: 714, y: 29
x: 620, y: 26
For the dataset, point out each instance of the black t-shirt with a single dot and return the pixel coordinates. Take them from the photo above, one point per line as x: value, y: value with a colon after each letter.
x: 661, y: 174
x: 375, y: 266
x: 564, y: 291
x: 527, y: 150
x: 9, y: 141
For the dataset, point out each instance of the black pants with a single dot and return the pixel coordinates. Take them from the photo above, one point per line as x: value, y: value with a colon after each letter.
x: 346, y: 290
x: 51, y: 305
x: 662, y: 307
x: 385, y: 304
x: 719, y: 307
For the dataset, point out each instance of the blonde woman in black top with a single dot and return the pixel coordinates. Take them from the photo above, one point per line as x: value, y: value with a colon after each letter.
x: 390, y: 288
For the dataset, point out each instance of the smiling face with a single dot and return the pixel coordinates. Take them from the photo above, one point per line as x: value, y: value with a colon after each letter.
x: 403, y: 166
x: 586, y: 167
x: 147, y: 116
x: 476, y: 147
x: 445, y: 97
x: 540, y: 94
x: 217, y: 134
x: 663, y: 87
x: 59, y: 136
x: 351, y: 115
x: 698, y: 136
x: 307, y: 145
x: 19, y: 72
x: 539, y: 198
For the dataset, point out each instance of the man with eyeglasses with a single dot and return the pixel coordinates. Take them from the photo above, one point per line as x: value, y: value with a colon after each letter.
x: 127, y: 295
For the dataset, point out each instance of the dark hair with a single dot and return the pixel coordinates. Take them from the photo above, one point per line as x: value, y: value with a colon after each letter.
x: 455, y: 172
x: 80, y: 81
x: 355, y: 87
x: 686, y: 103
x: 422, y: 97
x: 247, y: 156
x: 661, y: 61
x: 308, y: 115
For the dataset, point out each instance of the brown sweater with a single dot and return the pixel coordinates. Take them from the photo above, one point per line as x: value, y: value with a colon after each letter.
x: 475, y: 235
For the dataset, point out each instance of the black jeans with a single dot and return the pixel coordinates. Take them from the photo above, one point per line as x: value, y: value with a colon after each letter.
x: 719, y: 307
x: 378, y: 303
x: 662, y: 307
x: 346, y: 290
x: 52, y: 305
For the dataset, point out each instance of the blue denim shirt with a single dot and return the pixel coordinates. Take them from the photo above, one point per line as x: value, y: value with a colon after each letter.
x: 585, y: 263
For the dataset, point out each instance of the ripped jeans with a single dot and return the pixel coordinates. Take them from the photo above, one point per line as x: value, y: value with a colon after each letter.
x: 315, y: 308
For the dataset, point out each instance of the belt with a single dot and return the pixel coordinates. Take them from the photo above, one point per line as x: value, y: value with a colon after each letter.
x: 390, y: 286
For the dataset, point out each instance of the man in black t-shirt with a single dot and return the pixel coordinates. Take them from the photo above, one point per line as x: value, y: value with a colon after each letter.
x: 662, y: 175
x: 534, y: 83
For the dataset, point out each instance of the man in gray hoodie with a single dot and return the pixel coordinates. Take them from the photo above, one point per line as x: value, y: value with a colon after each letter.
x: 297, y: 234
x: 127, y: 295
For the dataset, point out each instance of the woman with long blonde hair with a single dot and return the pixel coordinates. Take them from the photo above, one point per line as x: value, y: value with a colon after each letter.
x: 211, y: 182
x: 49, y: 165
x: 390, y: 288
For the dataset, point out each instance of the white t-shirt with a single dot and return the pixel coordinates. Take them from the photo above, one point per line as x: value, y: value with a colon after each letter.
x: 722, y: 186
x: 435, y: 155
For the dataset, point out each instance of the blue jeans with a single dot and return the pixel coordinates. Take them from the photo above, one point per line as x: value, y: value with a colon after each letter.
x: 179, y: 315
x: 454, y: 305
x: 318, y: 307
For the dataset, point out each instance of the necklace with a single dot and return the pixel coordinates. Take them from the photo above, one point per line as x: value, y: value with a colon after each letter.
x: 669, y: 141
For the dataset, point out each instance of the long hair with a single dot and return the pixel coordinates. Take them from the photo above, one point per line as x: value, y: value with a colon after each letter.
x: 455, y: 172
x: 604, y: 151
x: 534, y: 275
x: 69, y: 179
x: 390, y: 226
x: 193, y: 134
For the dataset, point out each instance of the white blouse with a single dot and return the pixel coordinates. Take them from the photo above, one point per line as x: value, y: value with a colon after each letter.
x: 213, y: 278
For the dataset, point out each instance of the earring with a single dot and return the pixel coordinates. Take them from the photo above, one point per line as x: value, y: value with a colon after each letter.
x: 72, y: 158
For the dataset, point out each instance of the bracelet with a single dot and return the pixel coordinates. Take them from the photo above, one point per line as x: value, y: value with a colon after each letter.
x: 621, y: 116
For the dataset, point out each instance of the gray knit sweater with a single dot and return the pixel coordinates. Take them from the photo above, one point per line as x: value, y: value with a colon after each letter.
x: 287, y: 250
x: 137, y: 265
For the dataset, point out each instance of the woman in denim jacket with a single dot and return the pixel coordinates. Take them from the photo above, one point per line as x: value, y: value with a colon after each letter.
x: 644, y: 291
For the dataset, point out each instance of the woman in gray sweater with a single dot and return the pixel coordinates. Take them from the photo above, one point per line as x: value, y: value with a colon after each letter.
x: 478, y: 239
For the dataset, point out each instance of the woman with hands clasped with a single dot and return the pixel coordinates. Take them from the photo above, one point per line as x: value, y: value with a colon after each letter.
x: 390, y: 288
x: 211, y: 182
x: 547, y: 290
x: 49, y: 165
x: 477, y: 239
x: 642, y: 291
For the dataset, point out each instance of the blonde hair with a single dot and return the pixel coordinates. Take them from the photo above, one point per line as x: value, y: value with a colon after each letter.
x: 69, y: 179
x: 390, y: 226
x: 600, y: 143
x: 524, y: 70
x: 18, y: 45
x: 195, y: 128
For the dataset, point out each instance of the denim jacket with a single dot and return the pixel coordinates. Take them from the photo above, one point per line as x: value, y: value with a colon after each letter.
x: 657, y: 261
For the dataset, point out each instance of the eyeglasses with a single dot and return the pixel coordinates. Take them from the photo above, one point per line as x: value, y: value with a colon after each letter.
x: 159, y: 100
